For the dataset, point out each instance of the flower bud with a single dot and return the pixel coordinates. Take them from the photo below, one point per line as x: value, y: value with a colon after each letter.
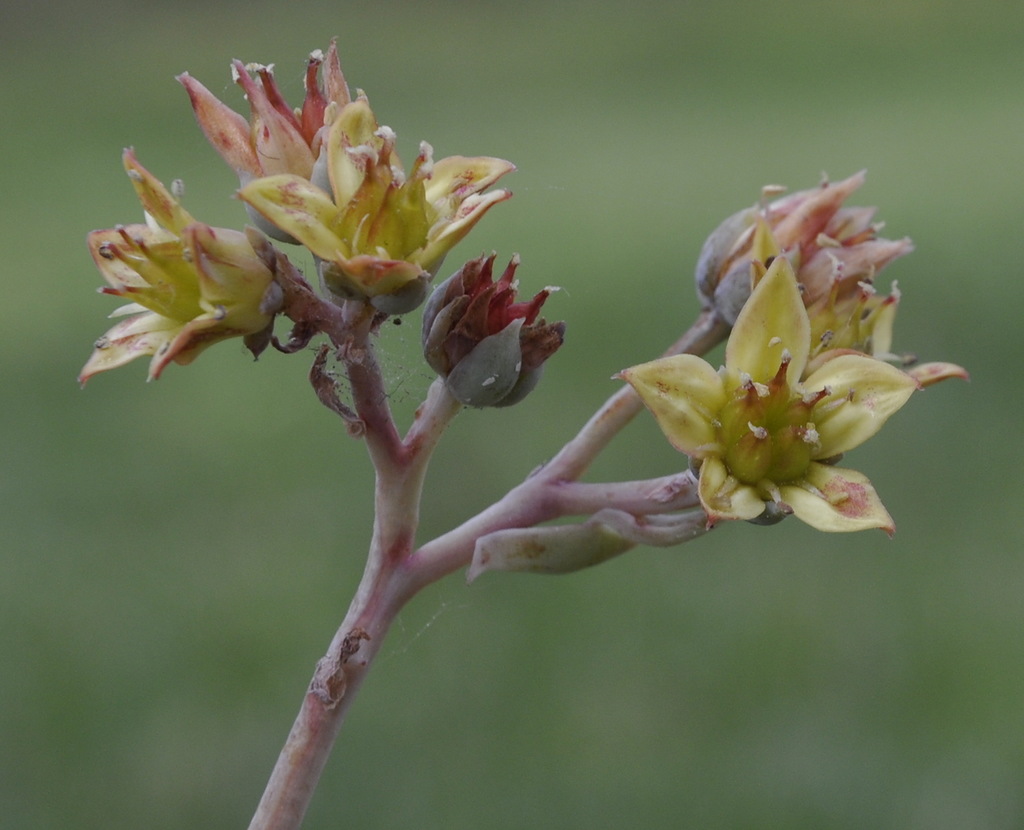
x: 723, y: 273
x: 489, y: 349
x: 276, y: 138
x: 833, y: 249
x: 561, y: 549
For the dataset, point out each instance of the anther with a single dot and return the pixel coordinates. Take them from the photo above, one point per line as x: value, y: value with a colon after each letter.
x: 759, y: 432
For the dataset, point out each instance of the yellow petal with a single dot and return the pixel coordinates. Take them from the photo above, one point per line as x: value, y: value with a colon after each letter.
x: 231, y: 276
x: 367, y: 275
x: 299, y: 208
x: 444, y: 235
x: 156, y: 199
x: 144, y: 334
x: 773, y: 320
x: 763, y: 246
x: 725, y: 497
x: 196, y: 336
x: 881, y: 326
x: 835, y: 500
x: 148, y: 266
x: 461, y: 176
x: 355, y: 126
x: 684, y: 394
x: 864, y: 393
x: 107, y: 249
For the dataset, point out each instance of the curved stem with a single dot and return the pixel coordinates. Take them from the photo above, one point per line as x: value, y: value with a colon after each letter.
x: 576, y: 456
x: 337, y: 677
x: 386, y: 586
x: 431, y: 419
x: 523, y: 506
x: 369, y: 395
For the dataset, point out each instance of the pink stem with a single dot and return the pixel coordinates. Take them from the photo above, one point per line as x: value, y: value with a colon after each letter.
x: 337, y: 677
x: 572, y: 461
x: 395, y: 572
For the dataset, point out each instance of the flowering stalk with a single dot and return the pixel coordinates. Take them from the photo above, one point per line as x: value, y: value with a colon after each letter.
x: 788, y: 281
x: 396, y: 571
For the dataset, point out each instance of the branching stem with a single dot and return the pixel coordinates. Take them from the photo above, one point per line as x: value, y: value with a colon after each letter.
x: 395, y: 571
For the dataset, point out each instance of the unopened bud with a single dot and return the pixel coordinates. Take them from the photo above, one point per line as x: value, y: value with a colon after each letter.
x: 832, y: 248
x: 489, y: 349
x: 723, y: 272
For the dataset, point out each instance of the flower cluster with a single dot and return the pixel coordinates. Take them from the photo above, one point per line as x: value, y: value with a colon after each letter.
x: 379, y: 231
x: 275, y: 139
x: 805, y: 377
x: 189, y: 285
x: 835, y: 251
x: 766, y: 430
x: 808, y: 372
x: 760, y: 431
x: 324, y: 175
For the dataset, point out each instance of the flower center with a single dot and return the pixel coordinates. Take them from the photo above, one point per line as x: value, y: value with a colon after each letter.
x: 766, y: 431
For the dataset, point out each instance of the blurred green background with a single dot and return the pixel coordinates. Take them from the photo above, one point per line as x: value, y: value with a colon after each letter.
x: 175, y: 556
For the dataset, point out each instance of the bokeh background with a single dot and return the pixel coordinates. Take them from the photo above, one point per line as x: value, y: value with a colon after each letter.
x: 174, y: 557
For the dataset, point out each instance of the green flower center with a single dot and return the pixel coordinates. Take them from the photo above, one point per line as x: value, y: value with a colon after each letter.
x: 767, y: 433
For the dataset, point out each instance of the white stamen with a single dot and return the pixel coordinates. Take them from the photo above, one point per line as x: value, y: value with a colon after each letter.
x: 362, y: 151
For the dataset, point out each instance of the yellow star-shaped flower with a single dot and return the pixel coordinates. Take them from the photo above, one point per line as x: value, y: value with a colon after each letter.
x: 763, y: 435
x: 376, y: 227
